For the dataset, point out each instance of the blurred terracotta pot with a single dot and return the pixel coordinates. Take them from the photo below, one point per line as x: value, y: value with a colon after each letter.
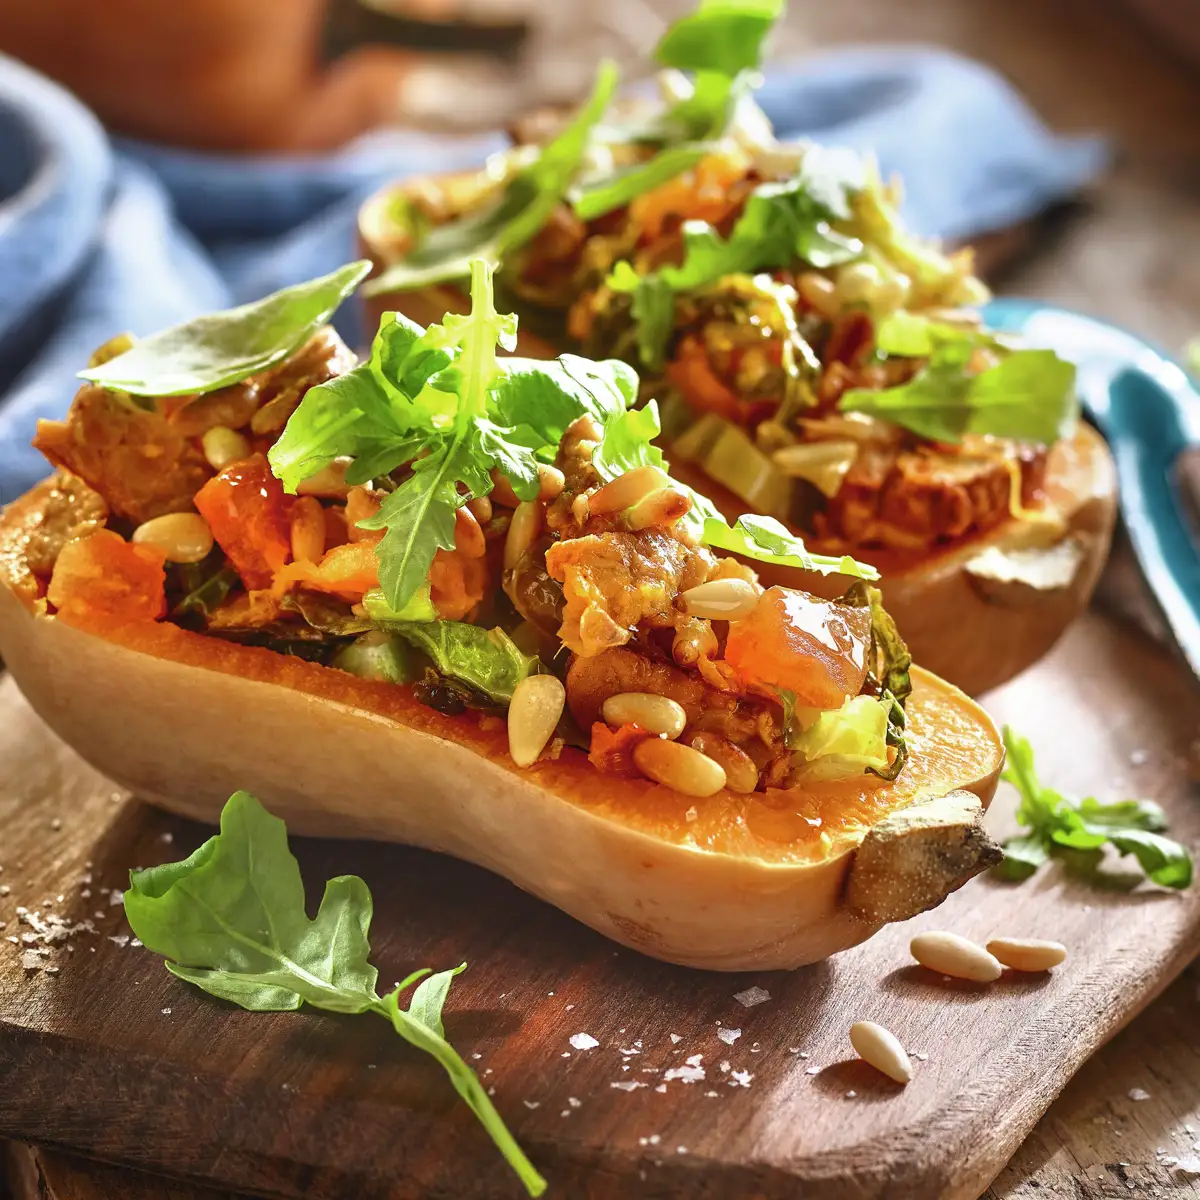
x: 215, y: 74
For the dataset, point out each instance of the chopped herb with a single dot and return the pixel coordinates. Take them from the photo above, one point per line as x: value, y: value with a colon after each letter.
x: 231, y: 920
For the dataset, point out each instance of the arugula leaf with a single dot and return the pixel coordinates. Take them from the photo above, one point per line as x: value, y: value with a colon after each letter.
x: 518, y: 214
x: 231, y: 920
x: 725, y: 36
x: 768, y: 540
x: 367, y: 413
x: 652, y: 308
x: 722, y: 44
x: 595, y: 197
x: 418, y: 518
x: 487, y: 660
x: 1129, y: 826
x: 223, y: 348
x: 549, y: 396
x: 780, y: 224
x: 1029, y: 395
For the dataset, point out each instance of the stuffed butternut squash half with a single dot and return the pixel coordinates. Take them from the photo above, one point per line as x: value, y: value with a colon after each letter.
x: 812, y: 360
x: 454, y: 598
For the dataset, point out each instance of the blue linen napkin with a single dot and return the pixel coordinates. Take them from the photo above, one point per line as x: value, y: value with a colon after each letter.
x: 100, y: 235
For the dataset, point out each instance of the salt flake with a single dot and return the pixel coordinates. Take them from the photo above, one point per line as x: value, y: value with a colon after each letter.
x: 1138, y: 1094
x: 627, y: 1085
x: 583, y: 1041
x: 675, y: 1039
x: 752, y: 996
x: 729, y: 1036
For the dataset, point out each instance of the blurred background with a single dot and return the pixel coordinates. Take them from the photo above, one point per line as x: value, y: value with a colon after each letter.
x: 244, y: 76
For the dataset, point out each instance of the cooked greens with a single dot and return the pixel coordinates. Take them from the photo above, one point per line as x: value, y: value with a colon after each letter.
x: 223, y: 348
x: 231, y: 920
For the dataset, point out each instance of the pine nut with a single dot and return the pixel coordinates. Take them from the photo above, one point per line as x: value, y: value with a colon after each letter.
x: 523, y: 530
x: 533, y: 715
x: 551, y: 482
x: 481, y: 506
x: 655, y: 714
x: 1027, y: 954
x: 881, y: 1048
x: 468, y: 537
x: 329, y: 481
x: 626, y: 490
x: 949, y: 954
x: 677, y: 766
x: 308, y: 530
x: 660, y: 509
x: 502, y: 492
x: 223, y: 446
x: 858, y: 283
x: 721, y: 600
x: 741, y: 775
x: 180, y: 537
x: 821, y: 293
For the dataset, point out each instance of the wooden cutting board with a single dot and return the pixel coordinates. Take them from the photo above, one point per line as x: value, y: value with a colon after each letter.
x: 102, y: 1052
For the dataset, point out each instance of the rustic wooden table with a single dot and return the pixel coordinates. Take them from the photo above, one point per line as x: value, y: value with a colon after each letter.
x: 1129, y: 1123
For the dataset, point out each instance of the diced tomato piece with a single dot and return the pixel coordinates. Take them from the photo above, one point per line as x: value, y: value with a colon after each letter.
x: 348, y: 571
x: 815, y: 648
x: 612, y: 751
x: 250, y: 517
x: 692, y: 373
x: 104, y: 575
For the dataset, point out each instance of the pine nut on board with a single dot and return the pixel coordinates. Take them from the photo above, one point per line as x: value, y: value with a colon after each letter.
x: 1027, y: 954
x: 881, y: 1048
x: 950, y: 954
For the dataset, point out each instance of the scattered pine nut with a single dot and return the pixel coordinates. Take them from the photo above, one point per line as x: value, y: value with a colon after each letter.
x: 1027, y: 954
x: 881, y: 1048
x: 950, y: 954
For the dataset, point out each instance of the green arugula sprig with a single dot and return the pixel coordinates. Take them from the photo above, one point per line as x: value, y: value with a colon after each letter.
x: 231, y: 920
x: 780, y: 224
x: 441, y: 400
x: 721, y: 46
x: 223, y: 348
x: 1029, y: 395
x: 1056, y: 823
x: 517, y: 215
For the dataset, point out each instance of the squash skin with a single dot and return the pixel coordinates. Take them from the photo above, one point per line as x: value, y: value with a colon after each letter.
x: 973, y: 634
x: 183, y: 720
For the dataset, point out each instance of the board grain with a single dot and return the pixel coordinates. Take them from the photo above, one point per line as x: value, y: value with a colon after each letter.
x: 114, y: 1058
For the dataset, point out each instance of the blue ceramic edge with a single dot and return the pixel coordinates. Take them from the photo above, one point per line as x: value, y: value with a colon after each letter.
x: 1146, y: 406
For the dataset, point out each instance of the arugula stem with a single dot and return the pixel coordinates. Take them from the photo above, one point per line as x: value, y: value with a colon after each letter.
x: 467, y: 1084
